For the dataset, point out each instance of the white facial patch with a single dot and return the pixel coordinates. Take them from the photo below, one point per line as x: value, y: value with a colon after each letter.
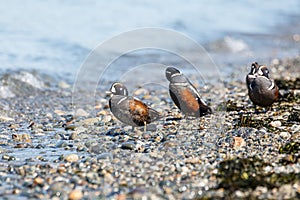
x: 113, y: 89
x: 260, y: 72
x: 176, y: 74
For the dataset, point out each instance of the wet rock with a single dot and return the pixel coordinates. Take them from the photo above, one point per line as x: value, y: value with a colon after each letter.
x: 275, y: 124
x: 60, y: 112
x: 290, y: 148
x: 75, y: 194
x: 8, y: 157
x: 70, y: 127
x: 285, y: 135
x: 20, y: 84
x: 72, y: 158
x: 90, y: 121
x: 287, y: 191
x: 38, y: 181
x: 239, y: 142
x: 97, y: 148
x: 294, y: 116
x: 151, y: 127
x: 24, y: 137
x: 128, y: 145
x: 5, y: 118
x: 81, y: 113
x: 73, y: 135
x: 64, y: 85
x: 61, y: 144
x: 105, y: 156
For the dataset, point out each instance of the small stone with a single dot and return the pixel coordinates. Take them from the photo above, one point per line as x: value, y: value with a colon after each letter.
x: 63, y: 85
x: 128, y: 145
x: 285, y: 135
x: 140, y: 91
x: 121, y: 197
x: 5, y: 157
x: 73, y: 135
x: 287, y: 191
x: 107, y: 118
x: 21, y: 137
x: 275, y: 124
x: 61, y: 144
x: 72, y: 158
x: 59, y: 112
x: 239, y: 142
x: 75, y: 194
x: 90, y: 121
x: 38, y: 181
x: 16, y: 191
x: 105, y: 156
x: 14, y: 126
x: 151, y: 127
x: 81, y: 113
x: 70, y: 127
x: 239, y: 194
x: 5, y: 119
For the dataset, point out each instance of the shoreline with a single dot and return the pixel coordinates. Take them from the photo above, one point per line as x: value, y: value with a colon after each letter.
x: 47, y: 153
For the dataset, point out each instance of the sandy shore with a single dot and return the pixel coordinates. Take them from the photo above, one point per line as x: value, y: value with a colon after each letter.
x: 234, y: 153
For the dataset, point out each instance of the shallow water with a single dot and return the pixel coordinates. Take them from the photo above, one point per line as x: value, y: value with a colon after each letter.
x: 56, y: 37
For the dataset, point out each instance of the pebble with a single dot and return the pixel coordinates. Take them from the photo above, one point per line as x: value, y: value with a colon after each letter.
x: 61, y: 144
x: 239, y: 142
x: 70, y: 127
x: 72, y: 158
x: 285, y: 135
x: 75, y: 194
x: 63, y: 85
x: 275, y: 124
x: 5, y: 119
x: 73, y: 135
x: 81, y: 113
x: 90, y: 121
x: 24, y: 137
x: 38, y: 181
x: 105, y: 156
x: 128, y: 145
x: 60, y: 112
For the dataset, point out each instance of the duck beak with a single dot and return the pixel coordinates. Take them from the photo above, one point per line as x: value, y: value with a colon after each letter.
x: 250, y: 76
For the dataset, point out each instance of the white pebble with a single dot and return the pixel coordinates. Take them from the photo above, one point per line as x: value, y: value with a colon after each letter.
x: 285, y: 135
x: 275, y: 124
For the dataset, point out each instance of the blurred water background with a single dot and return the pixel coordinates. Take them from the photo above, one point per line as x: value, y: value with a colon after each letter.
x: 57, y: 36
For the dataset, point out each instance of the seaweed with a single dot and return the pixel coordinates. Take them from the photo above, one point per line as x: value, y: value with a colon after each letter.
x: 228, y: 106
x: 294, y: 116
x: 288, y: 84
x: 248, y: 173
x: 247, y: 120
x: 290, y: 148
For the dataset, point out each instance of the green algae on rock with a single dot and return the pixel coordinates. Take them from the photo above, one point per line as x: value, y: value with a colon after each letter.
x: 290, y: 148
x: 245, y: 173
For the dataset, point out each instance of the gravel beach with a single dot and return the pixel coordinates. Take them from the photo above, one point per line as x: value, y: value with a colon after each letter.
x: 48, y: 153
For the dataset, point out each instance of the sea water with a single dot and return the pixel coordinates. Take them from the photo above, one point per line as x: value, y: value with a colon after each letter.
x: 57, y: 36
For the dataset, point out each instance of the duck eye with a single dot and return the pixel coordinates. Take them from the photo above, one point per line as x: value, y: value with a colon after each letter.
x: 266, y: 72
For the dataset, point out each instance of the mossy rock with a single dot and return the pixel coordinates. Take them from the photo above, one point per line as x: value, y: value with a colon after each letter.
x: 288, y: 84
x: 290, y: 148
x: 245, y: 173
x: 248, y: 120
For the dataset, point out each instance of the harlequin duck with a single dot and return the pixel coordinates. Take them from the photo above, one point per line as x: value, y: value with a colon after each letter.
x: 185, y: 95
x: 261, y: 89
x: 128, y: 109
